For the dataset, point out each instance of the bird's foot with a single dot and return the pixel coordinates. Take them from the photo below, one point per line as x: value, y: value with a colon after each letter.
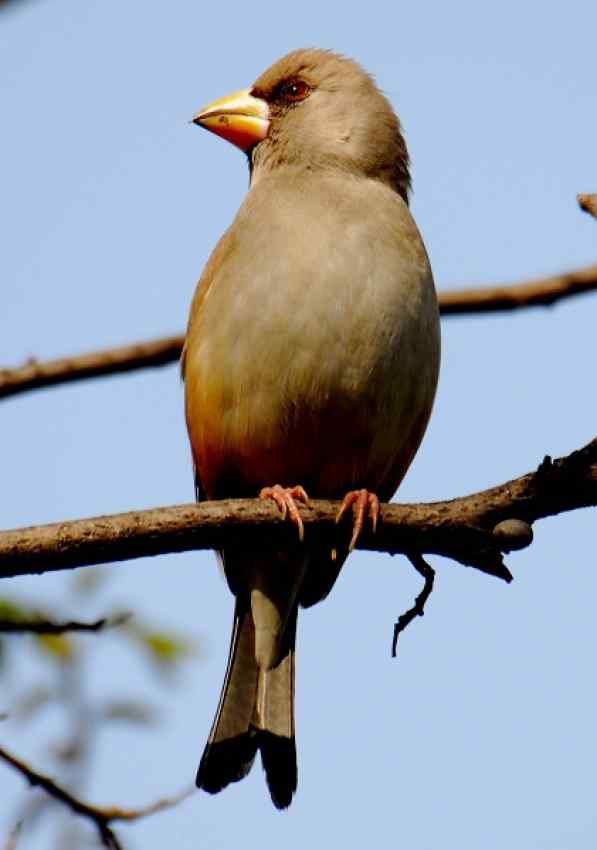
x: 364, y: 504
x: 286, y: 498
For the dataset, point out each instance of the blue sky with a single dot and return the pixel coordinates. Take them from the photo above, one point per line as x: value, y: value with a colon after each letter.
x: 482, y: 733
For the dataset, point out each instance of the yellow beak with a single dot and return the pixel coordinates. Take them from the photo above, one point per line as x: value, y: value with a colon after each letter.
x: 239, y: 118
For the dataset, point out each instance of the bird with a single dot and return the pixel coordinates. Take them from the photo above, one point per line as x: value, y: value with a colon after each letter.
x: 310, y: 365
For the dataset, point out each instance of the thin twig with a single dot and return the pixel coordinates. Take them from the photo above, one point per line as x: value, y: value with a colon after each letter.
x: 461, y: 529
x: 102, y: 818
x: 418, y: 609
x: 35, y: 374
x: 48, y: 627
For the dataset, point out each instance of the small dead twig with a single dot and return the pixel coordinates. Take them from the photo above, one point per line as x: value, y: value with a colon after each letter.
x: 418, y: 609
x: 102, y: 818
x: 588, y: 203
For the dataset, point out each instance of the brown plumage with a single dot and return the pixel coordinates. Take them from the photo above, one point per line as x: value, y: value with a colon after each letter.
x: 311, y: 358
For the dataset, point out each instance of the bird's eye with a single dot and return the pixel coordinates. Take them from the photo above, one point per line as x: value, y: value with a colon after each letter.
x: 295, y: 90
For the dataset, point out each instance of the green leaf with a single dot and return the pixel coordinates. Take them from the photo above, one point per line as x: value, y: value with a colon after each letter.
x: 164, y: 647
x: 14, y: 613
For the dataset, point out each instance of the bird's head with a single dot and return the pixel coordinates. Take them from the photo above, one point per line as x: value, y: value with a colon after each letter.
x: 314, y: 109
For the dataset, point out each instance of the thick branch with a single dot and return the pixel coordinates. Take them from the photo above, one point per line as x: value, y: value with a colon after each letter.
x: 35, y: 374
x: 102, y: 818
x: 461, y: 529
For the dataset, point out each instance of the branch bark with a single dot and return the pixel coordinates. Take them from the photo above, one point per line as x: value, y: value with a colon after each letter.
x: 36, y: 374
x: 474, y: 530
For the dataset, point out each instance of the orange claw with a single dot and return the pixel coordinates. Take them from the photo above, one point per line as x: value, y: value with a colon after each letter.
x: 366, y: 504
x: 284, y: 497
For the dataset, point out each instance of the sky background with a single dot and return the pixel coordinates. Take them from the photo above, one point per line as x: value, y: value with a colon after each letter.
x: 482, y: 733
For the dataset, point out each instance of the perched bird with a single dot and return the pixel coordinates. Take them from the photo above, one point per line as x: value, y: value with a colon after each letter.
x: 310, y: 365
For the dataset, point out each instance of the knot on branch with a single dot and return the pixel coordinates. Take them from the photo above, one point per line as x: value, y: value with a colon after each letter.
x: 512, y: 534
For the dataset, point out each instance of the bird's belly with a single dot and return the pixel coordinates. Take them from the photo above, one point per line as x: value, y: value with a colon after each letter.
x: 331, y: 400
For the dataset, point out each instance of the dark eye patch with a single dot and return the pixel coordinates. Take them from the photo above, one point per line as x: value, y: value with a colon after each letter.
x: 285, y: 93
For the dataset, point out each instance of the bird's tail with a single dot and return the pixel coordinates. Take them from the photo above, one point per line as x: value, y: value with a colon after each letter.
x: 255, y: 712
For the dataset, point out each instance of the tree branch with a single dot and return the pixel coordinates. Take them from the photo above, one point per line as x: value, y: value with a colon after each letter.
x: 35, y: 374
x: 473, y: 530
x: 540, y: 292
x: 102, y: 818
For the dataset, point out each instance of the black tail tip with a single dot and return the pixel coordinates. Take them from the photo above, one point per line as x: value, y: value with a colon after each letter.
x: 224, y: 762
x: 227, y: 761
x: 278, y: 757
